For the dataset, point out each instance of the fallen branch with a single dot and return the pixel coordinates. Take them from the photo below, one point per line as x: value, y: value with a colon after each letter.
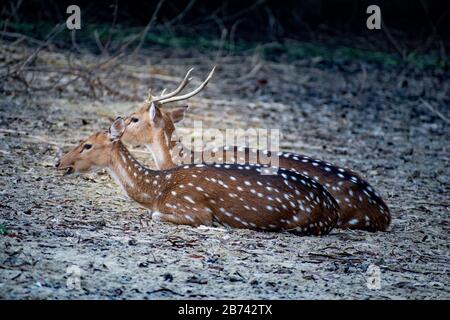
x: 27, y: 134
x: 165, y: 290
x: 436, y: 112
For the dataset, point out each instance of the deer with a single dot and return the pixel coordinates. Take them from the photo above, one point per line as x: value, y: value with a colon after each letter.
x: 229, y: 195
x: 361, y: 207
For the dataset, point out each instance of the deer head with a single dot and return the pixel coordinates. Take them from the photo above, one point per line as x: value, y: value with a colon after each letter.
x: 153, y: 126
x: 150, y: 123
x: 93, y: 152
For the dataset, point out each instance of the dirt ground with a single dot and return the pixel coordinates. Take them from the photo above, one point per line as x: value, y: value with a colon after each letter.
x: 391, y: 125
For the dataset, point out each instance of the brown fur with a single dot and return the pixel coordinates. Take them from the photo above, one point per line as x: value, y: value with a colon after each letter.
x: 235, y: 196
x: 360, y: 207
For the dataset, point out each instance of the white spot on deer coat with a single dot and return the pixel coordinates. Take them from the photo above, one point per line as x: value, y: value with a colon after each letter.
x: 189, y: 199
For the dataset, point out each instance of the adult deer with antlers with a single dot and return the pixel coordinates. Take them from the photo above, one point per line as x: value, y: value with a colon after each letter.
x: 199, y: 194
x: 360, y: 206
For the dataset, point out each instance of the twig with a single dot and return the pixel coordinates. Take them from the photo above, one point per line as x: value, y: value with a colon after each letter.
x: 437, y: 112
x: 252, y: 72
x: 434, y: 204
x: 16, y: 35
x: 73, y: 37
x: 243, y: 11
x: 99, y: 42
x: 183, y: 13
x: 18, y: 68
x: 392, y: 40
x: 362, y: 83
x: 57, y: 29
x: 162, y: 289
x: 147, y: 27
x: 24, y: 133
x: 108, y: 42
x: 223, y: 37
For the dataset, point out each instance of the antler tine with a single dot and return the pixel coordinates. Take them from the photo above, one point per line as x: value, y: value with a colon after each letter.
x: 149, y: 95
x: 180, y: 87
x: 190, y: 94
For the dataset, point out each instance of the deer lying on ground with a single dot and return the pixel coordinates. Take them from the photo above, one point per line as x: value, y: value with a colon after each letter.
x: 360, y: 206
x: 198, y: 194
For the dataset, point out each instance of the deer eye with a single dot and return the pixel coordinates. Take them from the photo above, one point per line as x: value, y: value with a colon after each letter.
x: 87, y: 146
x: 134, y: 119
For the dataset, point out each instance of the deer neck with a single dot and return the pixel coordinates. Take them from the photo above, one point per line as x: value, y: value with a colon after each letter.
x: 138, y: 182
x: 161, y: 152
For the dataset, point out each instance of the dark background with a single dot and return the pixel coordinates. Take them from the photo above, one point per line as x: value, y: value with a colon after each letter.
x: 412, y: 23
x: 414, y: 16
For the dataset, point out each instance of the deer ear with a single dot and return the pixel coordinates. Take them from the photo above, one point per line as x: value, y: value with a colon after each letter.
x: 178, y: 114
x: 152, y: 112
x: 117, y: 128
x: 155, y: 115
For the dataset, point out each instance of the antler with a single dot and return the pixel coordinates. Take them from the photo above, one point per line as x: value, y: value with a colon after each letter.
x: 180, y: 87
x: 172, y: 97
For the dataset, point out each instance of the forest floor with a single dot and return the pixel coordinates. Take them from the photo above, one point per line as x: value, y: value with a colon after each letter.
x: 389, y: 124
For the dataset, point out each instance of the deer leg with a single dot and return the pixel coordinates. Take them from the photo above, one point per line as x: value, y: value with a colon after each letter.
x: 194, y: 218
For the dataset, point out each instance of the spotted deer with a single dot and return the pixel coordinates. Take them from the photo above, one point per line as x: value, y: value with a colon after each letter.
x: 360, y: 206
x: 197, y: 194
